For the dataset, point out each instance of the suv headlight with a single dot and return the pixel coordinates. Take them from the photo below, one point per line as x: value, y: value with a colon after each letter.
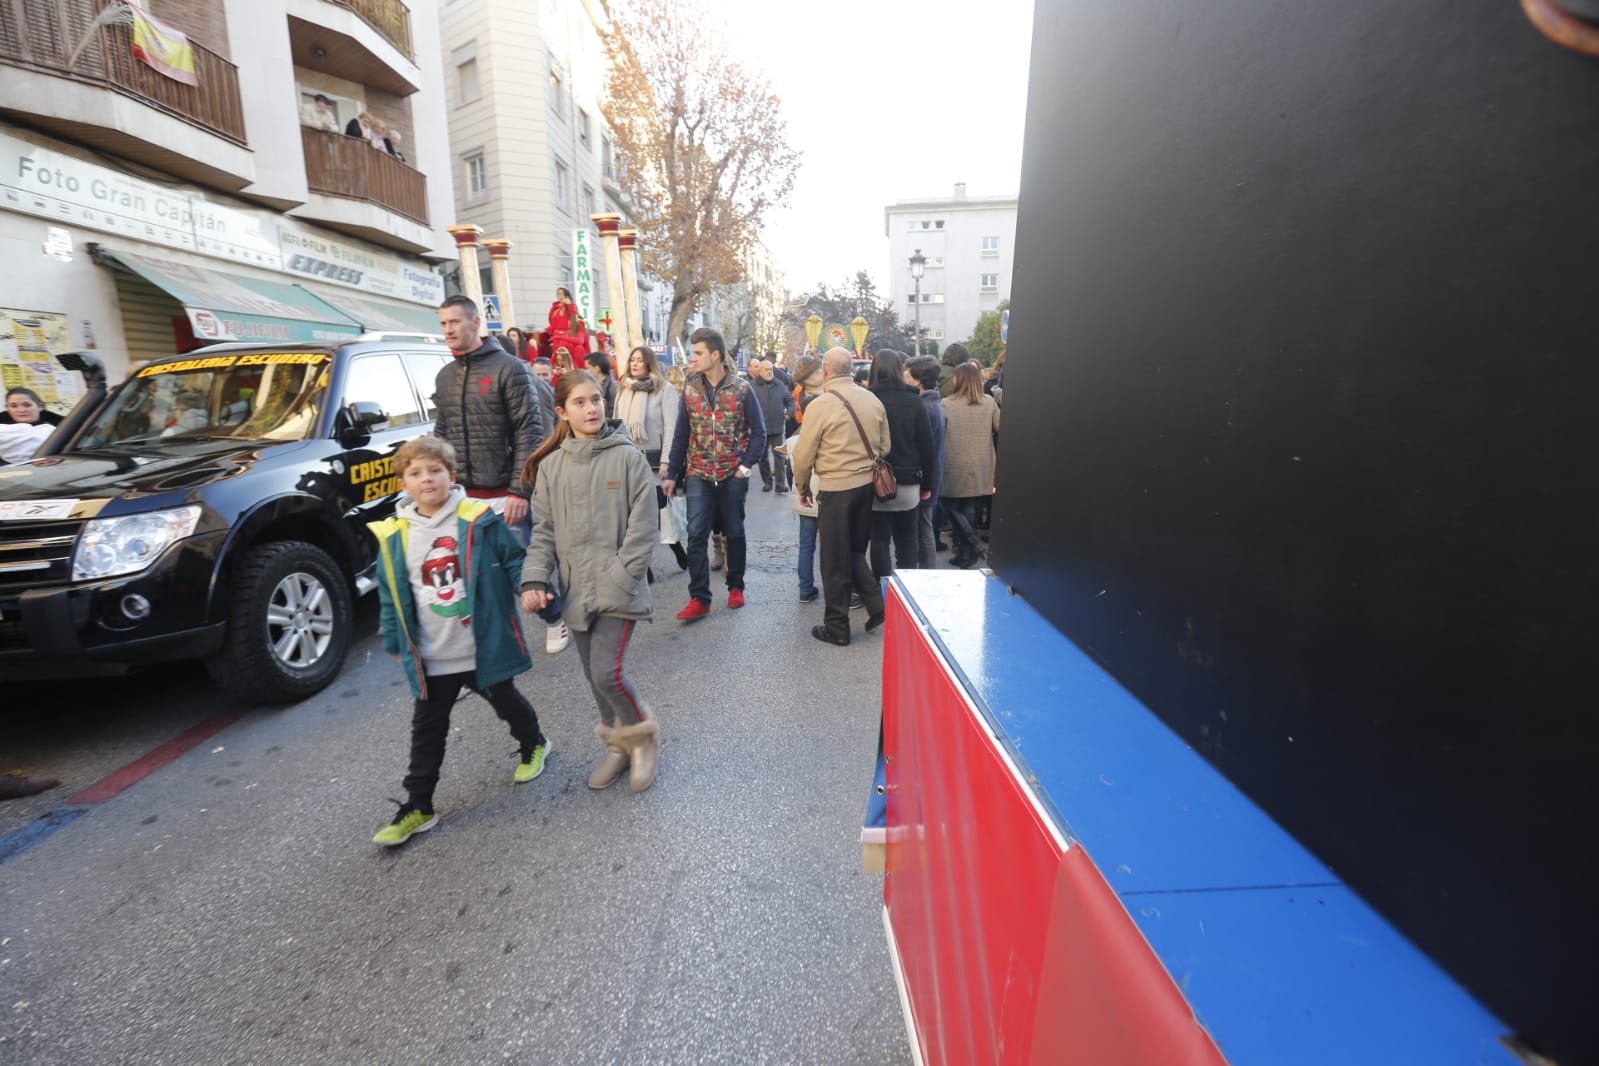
x: 113, y: 546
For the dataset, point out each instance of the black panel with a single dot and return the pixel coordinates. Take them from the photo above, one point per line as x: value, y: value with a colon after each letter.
x: 1297, y: 438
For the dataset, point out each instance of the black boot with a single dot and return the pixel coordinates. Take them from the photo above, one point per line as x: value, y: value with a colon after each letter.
x: 680, y: 555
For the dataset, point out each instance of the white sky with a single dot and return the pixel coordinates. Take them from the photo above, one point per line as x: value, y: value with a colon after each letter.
x: 889, y: 100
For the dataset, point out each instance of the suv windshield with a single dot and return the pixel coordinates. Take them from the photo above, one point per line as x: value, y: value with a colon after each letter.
x: 254, y: 396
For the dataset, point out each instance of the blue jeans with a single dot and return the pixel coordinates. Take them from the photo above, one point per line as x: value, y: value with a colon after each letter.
x: 724, y: 500
x: 807, y: 555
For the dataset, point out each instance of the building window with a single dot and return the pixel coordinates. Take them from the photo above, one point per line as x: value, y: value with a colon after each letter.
x: 928, y: 297
x: 913, y: 226
x: 559, y: 99
x: 477, y: 176
x: 334, y: 117
x: 935, y: 262
x: 467, y: 85
x: 934, y: 334
x: 608, y: 158
x: 990, y: 245
x: 583, y: 132
x: 562, y: 181
x: 938, y: 224
x: 989, y: 283
x: 589, y: 210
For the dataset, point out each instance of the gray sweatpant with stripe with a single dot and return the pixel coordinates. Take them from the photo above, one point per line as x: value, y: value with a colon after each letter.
x: 602, y: 649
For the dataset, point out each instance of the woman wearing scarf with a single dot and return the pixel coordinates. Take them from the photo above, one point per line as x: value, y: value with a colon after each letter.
x: 647, y: 405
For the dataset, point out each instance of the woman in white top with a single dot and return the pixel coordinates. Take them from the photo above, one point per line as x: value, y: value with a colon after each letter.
x: 647, y: 405
x: 27, y: 426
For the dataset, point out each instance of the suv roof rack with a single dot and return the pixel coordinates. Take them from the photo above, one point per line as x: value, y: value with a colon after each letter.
x: 399, y: 335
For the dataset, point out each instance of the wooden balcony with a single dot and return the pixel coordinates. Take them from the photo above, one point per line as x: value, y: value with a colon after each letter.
x: 40, y: 35
x: 350, y: 168
x: 390, y: 18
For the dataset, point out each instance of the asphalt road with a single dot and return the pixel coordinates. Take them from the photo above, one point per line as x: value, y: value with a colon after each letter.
x: 231, y: 908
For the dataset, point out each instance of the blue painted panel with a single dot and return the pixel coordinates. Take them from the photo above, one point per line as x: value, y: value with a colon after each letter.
x: 1153, y: 815
x: 1280, y: 961
x: 1314, y: 977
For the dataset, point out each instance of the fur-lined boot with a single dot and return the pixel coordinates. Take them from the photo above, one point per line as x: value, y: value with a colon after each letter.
x: 614, y: 762
x: 641, y: 741
x: 718, y: 551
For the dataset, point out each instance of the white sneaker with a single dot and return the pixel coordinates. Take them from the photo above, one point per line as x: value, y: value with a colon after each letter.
x: 556, y: 638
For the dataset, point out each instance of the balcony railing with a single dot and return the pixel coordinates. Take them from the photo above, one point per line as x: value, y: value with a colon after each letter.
x: 41, y: 34
x: 390, y: 18
x: 349, y: 167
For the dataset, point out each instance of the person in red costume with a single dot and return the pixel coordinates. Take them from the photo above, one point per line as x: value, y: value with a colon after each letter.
x: 567, y: 329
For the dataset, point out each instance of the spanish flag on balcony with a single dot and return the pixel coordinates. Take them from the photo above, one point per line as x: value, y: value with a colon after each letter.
x: 161, y: 46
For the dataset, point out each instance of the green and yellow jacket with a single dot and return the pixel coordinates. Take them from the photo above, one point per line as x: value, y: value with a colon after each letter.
x: 491, y: 563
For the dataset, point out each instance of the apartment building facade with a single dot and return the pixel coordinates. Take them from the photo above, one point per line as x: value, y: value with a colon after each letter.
x: 144, y: 212
x: 749, y: 313
x: 524, y: 80
x: 970, y: 246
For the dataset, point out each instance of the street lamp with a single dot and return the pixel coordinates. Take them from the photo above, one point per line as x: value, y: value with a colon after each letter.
x: 918, y: 266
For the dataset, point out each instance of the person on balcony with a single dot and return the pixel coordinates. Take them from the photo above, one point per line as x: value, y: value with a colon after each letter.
x: 319, y: 114
x: 566, y: 327
x: 392, y: 142
x: 359, y: 126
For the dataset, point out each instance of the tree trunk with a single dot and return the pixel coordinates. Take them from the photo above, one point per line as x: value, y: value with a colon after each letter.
x: 682, y: 307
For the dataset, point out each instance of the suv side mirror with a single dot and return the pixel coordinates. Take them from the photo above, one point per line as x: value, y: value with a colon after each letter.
x: 359, y: 420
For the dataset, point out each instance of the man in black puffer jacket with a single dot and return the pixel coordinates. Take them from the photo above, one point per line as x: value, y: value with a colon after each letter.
x: 487, y: 409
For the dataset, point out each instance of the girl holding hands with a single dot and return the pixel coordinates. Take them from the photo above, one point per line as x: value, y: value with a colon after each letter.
x: 595, y: 522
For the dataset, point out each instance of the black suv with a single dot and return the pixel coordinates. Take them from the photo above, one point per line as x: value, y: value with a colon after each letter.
x: 213, y: 506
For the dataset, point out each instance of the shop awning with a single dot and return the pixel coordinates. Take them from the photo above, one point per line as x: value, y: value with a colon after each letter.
x: 232, y: 307
x: 377, y: 314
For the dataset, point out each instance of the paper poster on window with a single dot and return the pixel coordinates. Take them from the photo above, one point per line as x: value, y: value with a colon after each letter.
x: 29, y: 340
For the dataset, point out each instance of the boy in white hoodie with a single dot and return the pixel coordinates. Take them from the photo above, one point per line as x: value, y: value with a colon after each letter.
x: 449, y: 569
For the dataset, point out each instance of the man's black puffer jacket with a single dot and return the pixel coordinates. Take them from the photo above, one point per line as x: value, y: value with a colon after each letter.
x: 488, y: 411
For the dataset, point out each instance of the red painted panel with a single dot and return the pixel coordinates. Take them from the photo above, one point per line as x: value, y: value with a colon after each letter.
x: 1105, y: 997
x: 971, y: 871
x: 1012, y: 951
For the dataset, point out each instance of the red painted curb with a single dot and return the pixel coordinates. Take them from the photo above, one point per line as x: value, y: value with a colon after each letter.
x: 145, y: 765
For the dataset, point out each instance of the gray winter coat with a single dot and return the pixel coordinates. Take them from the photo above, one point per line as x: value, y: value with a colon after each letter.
x: 488, y: 410
x: 777, y: 405
x: 595, y: 523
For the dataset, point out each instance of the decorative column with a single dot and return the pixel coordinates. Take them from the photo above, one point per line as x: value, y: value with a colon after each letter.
x: 609, y: 227
x: 627, y: 242
x: 466, y: 245
x: 500, y: 262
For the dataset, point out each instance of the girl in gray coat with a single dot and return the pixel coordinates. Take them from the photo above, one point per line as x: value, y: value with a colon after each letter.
x: 595, y: 523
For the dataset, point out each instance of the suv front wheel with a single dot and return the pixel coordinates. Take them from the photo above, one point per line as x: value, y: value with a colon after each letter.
x: 288, y: 624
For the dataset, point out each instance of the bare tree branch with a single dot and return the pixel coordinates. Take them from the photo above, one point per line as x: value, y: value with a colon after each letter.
x: 704, y: 144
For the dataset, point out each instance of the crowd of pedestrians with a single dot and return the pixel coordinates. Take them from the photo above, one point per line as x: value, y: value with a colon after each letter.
x: 546, y: 486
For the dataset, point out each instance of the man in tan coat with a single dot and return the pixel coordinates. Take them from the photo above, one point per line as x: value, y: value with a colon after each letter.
x: 845, y: 429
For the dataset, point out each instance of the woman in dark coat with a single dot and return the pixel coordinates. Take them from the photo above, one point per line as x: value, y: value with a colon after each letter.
x: 910, y: 453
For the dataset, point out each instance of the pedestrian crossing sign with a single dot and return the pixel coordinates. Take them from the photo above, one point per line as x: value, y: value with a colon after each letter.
x: 491, y: 312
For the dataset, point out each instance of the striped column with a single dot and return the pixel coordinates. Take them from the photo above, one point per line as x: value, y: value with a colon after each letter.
x: 609, y: 227
x: 627, y: 242
x: 500, y: 263
x: 466, y: 246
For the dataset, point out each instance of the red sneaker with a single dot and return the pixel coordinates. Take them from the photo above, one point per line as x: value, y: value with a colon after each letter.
x: 735, y: 598
x: 693, y: 612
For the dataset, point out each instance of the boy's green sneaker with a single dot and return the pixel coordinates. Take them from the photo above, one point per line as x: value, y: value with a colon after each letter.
x: 407, y: 823
x: 533, y: 764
